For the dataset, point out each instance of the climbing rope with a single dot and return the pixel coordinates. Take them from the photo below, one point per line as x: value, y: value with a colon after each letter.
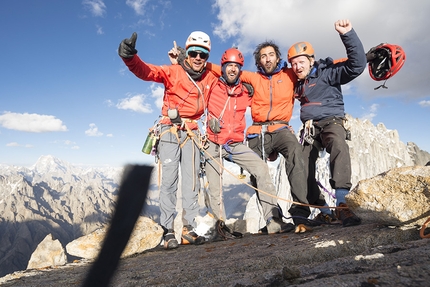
x: 256, y: 189
x: 423, y: 228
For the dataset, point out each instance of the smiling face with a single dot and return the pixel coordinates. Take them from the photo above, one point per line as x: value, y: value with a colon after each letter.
x: 301, y: 66
x: 197, y: 60
x: 268, y: 59
x: 231, y: 72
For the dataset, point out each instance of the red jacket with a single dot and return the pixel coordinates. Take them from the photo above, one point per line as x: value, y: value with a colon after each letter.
x: 179, y: 91
x: 232, y: 120
x: 273, y: 98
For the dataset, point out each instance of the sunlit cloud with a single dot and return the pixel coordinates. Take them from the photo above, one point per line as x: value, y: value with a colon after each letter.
x: 96, y: 7
x: 135, y: 103
x: 33, y: 123
x: 93, y: 131
x: 157, y: 92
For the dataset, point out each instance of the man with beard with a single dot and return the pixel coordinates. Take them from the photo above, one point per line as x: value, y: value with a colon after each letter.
x: 271, y: 110
x: 323, y: 114
x: 227, y: 105
x: 185, y: 87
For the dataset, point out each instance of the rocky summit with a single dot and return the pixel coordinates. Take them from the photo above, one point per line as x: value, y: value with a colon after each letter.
x: 67, y: 202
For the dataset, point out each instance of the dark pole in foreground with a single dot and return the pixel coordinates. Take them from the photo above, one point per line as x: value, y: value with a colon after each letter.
x: 132, y: 194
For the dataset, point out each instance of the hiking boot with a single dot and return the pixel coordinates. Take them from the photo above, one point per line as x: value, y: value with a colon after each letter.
x: 170, y: 241
x: 302, y: 228
x: 190, y: 237
x: 276, y: 225
x: 347, y: 217
x: 322, y: 219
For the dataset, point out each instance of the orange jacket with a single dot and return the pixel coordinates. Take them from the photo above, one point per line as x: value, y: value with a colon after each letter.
x: 273, y: 98
x: 179, y: 91
x: 229, y: 109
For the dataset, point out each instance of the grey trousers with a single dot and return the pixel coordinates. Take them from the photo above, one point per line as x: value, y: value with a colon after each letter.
x: 174, y: 157
x: 243, y: 156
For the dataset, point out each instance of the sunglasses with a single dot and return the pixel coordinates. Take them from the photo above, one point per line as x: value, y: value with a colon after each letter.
x: 193, y: 54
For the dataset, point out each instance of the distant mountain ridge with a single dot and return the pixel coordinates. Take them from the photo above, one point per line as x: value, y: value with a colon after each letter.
x: 54, y: 196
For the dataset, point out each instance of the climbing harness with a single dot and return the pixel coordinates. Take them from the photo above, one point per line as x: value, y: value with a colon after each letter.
x: 264, y: 129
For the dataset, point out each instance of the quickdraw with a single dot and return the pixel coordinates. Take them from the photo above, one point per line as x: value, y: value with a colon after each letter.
x: 308, y: 135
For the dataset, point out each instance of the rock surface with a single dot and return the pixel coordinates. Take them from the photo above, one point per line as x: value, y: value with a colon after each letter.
x: 364, y: 255
x: 400, y: 196
x: 146, y: 235
x: 49, y: 253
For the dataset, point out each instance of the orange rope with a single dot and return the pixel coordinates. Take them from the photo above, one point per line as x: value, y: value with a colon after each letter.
x: 423, y: 228
x: 264, y: 192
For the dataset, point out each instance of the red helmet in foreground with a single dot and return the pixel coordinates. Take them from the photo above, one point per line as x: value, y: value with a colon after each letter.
x: 385, y: 60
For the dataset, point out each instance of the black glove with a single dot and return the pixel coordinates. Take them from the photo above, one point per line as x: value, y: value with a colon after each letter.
x: 250, y: 88
x: 126, y: 48
x: 182, y: 55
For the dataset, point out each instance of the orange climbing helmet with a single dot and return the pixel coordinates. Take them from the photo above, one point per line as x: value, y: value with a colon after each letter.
x: 385, y: 60
x: 300, y: 49
x: 232, y: 55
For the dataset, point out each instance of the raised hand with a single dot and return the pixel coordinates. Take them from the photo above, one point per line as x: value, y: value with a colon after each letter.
x: 343, y: 26
x: 173, y: 54
x: 127, y: 47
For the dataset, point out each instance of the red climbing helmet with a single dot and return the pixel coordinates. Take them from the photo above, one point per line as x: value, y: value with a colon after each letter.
x: 232, y: 55
x: 385, y: 60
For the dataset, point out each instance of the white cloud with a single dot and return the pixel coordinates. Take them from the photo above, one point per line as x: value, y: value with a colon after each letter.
x: 99, y: 30
x: 135, y: 103
x: 93, y: 131
x: 283, y: 22
x: 75, y: 147
x: 371, y: 113
x: 96, y: 7
x: 137, y: 5
x: 424, y: 104
x: 15, y: 144
x: 109, y: 135
x: 34, y: 123
x: 157, y: 92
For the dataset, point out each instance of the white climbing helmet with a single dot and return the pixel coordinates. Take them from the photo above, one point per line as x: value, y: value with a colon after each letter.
x: 198, y: 38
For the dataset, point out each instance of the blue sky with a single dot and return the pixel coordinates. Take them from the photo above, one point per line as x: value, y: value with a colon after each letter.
x: 64, y: 91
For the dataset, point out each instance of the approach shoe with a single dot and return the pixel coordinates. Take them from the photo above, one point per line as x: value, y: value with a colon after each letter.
x: 324, y: 219
x: 276, y: 225
x: 302, y: 228
x: 170, y: 241
x: 190, y: 237
x: 347, y: 217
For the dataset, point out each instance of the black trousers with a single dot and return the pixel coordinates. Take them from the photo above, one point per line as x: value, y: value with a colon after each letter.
x: 331, y: 134
x: 285, y: 143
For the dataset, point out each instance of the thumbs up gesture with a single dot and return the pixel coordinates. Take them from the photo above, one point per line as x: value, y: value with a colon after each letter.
x: 127, y: 47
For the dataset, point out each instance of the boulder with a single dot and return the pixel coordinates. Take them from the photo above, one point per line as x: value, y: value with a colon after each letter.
x: 397, y: 197
x: 146, y: 235
x: 49, y: 253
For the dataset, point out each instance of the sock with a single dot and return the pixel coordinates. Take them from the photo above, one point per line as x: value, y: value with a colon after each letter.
x: 325, y: 210
x: 340, y: 195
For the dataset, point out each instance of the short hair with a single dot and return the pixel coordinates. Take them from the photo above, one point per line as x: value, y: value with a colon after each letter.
x: 257, y: 52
